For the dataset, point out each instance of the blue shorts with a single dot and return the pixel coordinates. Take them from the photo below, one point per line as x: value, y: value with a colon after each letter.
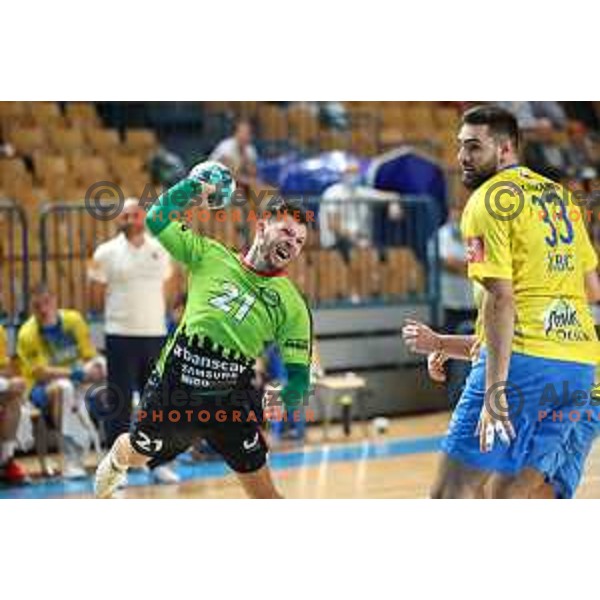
x: 577, y: 449
x: 39, y: 396
x: 543, y: 409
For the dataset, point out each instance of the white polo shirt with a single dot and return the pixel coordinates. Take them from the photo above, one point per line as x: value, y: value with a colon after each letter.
x: 135, y: 303
x: 457, y: 290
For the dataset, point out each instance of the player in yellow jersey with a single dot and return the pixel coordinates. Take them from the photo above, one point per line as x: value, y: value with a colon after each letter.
x: 529, y: 250
x: 58, y: 358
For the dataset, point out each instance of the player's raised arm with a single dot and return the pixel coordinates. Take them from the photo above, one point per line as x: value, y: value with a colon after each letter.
x: 209, y: 185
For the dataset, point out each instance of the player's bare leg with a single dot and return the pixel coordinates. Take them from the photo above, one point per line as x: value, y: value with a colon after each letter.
x: 457, y: 481
x: 10, y: 406
x: 260, y: 485
x: 529, y: 484
x: 112, y: 470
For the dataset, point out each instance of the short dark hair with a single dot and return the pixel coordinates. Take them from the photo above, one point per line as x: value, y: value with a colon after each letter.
x: 279, y: 206
x: 501, y: 122
x: 39, y: 289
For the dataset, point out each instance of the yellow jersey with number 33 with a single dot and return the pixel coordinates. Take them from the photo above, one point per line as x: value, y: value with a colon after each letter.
x: 525, y: 228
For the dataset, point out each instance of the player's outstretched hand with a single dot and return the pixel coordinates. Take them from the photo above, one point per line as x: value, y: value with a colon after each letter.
x: 271, y: 403
x: 495, y: 422
x: 435, y: 366
x: 420, y: 338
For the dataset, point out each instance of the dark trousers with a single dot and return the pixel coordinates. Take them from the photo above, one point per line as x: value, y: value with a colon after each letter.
x: 458, y: 322
x: 130, y: 361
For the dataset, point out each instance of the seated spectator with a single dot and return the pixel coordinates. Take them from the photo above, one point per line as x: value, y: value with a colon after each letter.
x: 345, y: 215
x: 546, y: 157
x: 526, y: 117
x: 12, y: 393
x: 551, y: 112
x: 58, y: 358
x: 583, y: 163
x: 584, y: 112
x: 239, y: 154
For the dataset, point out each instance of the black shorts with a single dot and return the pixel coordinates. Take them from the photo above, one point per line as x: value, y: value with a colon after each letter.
x: 202, y: 393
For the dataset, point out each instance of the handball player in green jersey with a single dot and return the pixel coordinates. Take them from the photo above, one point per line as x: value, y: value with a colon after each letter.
x: 204, y: 384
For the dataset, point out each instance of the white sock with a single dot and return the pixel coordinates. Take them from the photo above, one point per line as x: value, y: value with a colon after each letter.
x: 115, y: 463
x: 7, y: 451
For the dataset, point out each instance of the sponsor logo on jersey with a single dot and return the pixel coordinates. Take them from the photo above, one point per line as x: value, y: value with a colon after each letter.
x: 250, y: 445
x: 270, y: 296
x: 560, y: 262
x: 561, y: 322
x: 296, y: 344
x: 475, y: 250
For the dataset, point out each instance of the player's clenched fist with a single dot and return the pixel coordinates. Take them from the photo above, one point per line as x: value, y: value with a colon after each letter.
x: 420, y: 338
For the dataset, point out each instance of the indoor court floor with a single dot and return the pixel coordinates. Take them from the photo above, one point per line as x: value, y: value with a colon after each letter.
x: 399, y: 464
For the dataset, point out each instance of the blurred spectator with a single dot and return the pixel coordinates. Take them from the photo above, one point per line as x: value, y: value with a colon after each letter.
x: 534, y: 115
x: 584, y: 112
x: 57, y: 357
x: 239, y: 154
x: 551, y: 112
x: 7, y: 150
x: 166, y: 168
x: 128, y: 277
x: 334, y: 116
x: 583, y: 163
x: 522, y: 111
x: 545, y: 156
x: 12, y: 393
x: 456, y: 295
x: 345, y: 215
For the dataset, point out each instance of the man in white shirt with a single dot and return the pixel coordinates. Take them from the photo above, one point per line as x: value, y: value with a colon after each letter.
x: 127, y: 277
x: 239, y: 154
x: 456, y: 294
x: 345, y: 216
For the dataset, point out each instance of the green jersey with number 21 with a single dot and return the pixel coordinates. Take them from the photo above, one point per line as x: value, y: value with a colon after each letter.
x: 235, y: 307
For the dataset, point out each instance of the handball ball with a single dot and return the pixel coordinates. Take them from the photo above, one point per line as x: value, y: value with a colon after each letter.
x: 380, y: 425
x: 218, y: 175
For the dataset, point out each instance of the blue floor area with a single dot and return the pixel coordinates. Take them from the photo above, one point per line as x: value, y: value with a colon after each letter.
x: 310, y: 457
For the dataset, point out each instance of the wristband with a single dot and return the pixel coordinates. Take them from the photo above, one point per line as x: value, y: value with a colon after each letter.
x: 77, y: 374
x: 4, y: 385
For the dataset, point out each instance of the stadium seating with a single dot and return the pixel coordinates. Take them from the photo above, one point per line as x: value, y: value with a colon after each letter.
x: 62, y: 148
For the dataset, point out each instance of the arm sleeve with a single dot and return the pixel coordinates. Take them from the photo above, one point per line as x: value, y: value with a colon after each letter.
x: 295, y: 344
x: 177, y: 239
x: 31, y: 355
x: 297, y: 387
x: 489, y: 247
